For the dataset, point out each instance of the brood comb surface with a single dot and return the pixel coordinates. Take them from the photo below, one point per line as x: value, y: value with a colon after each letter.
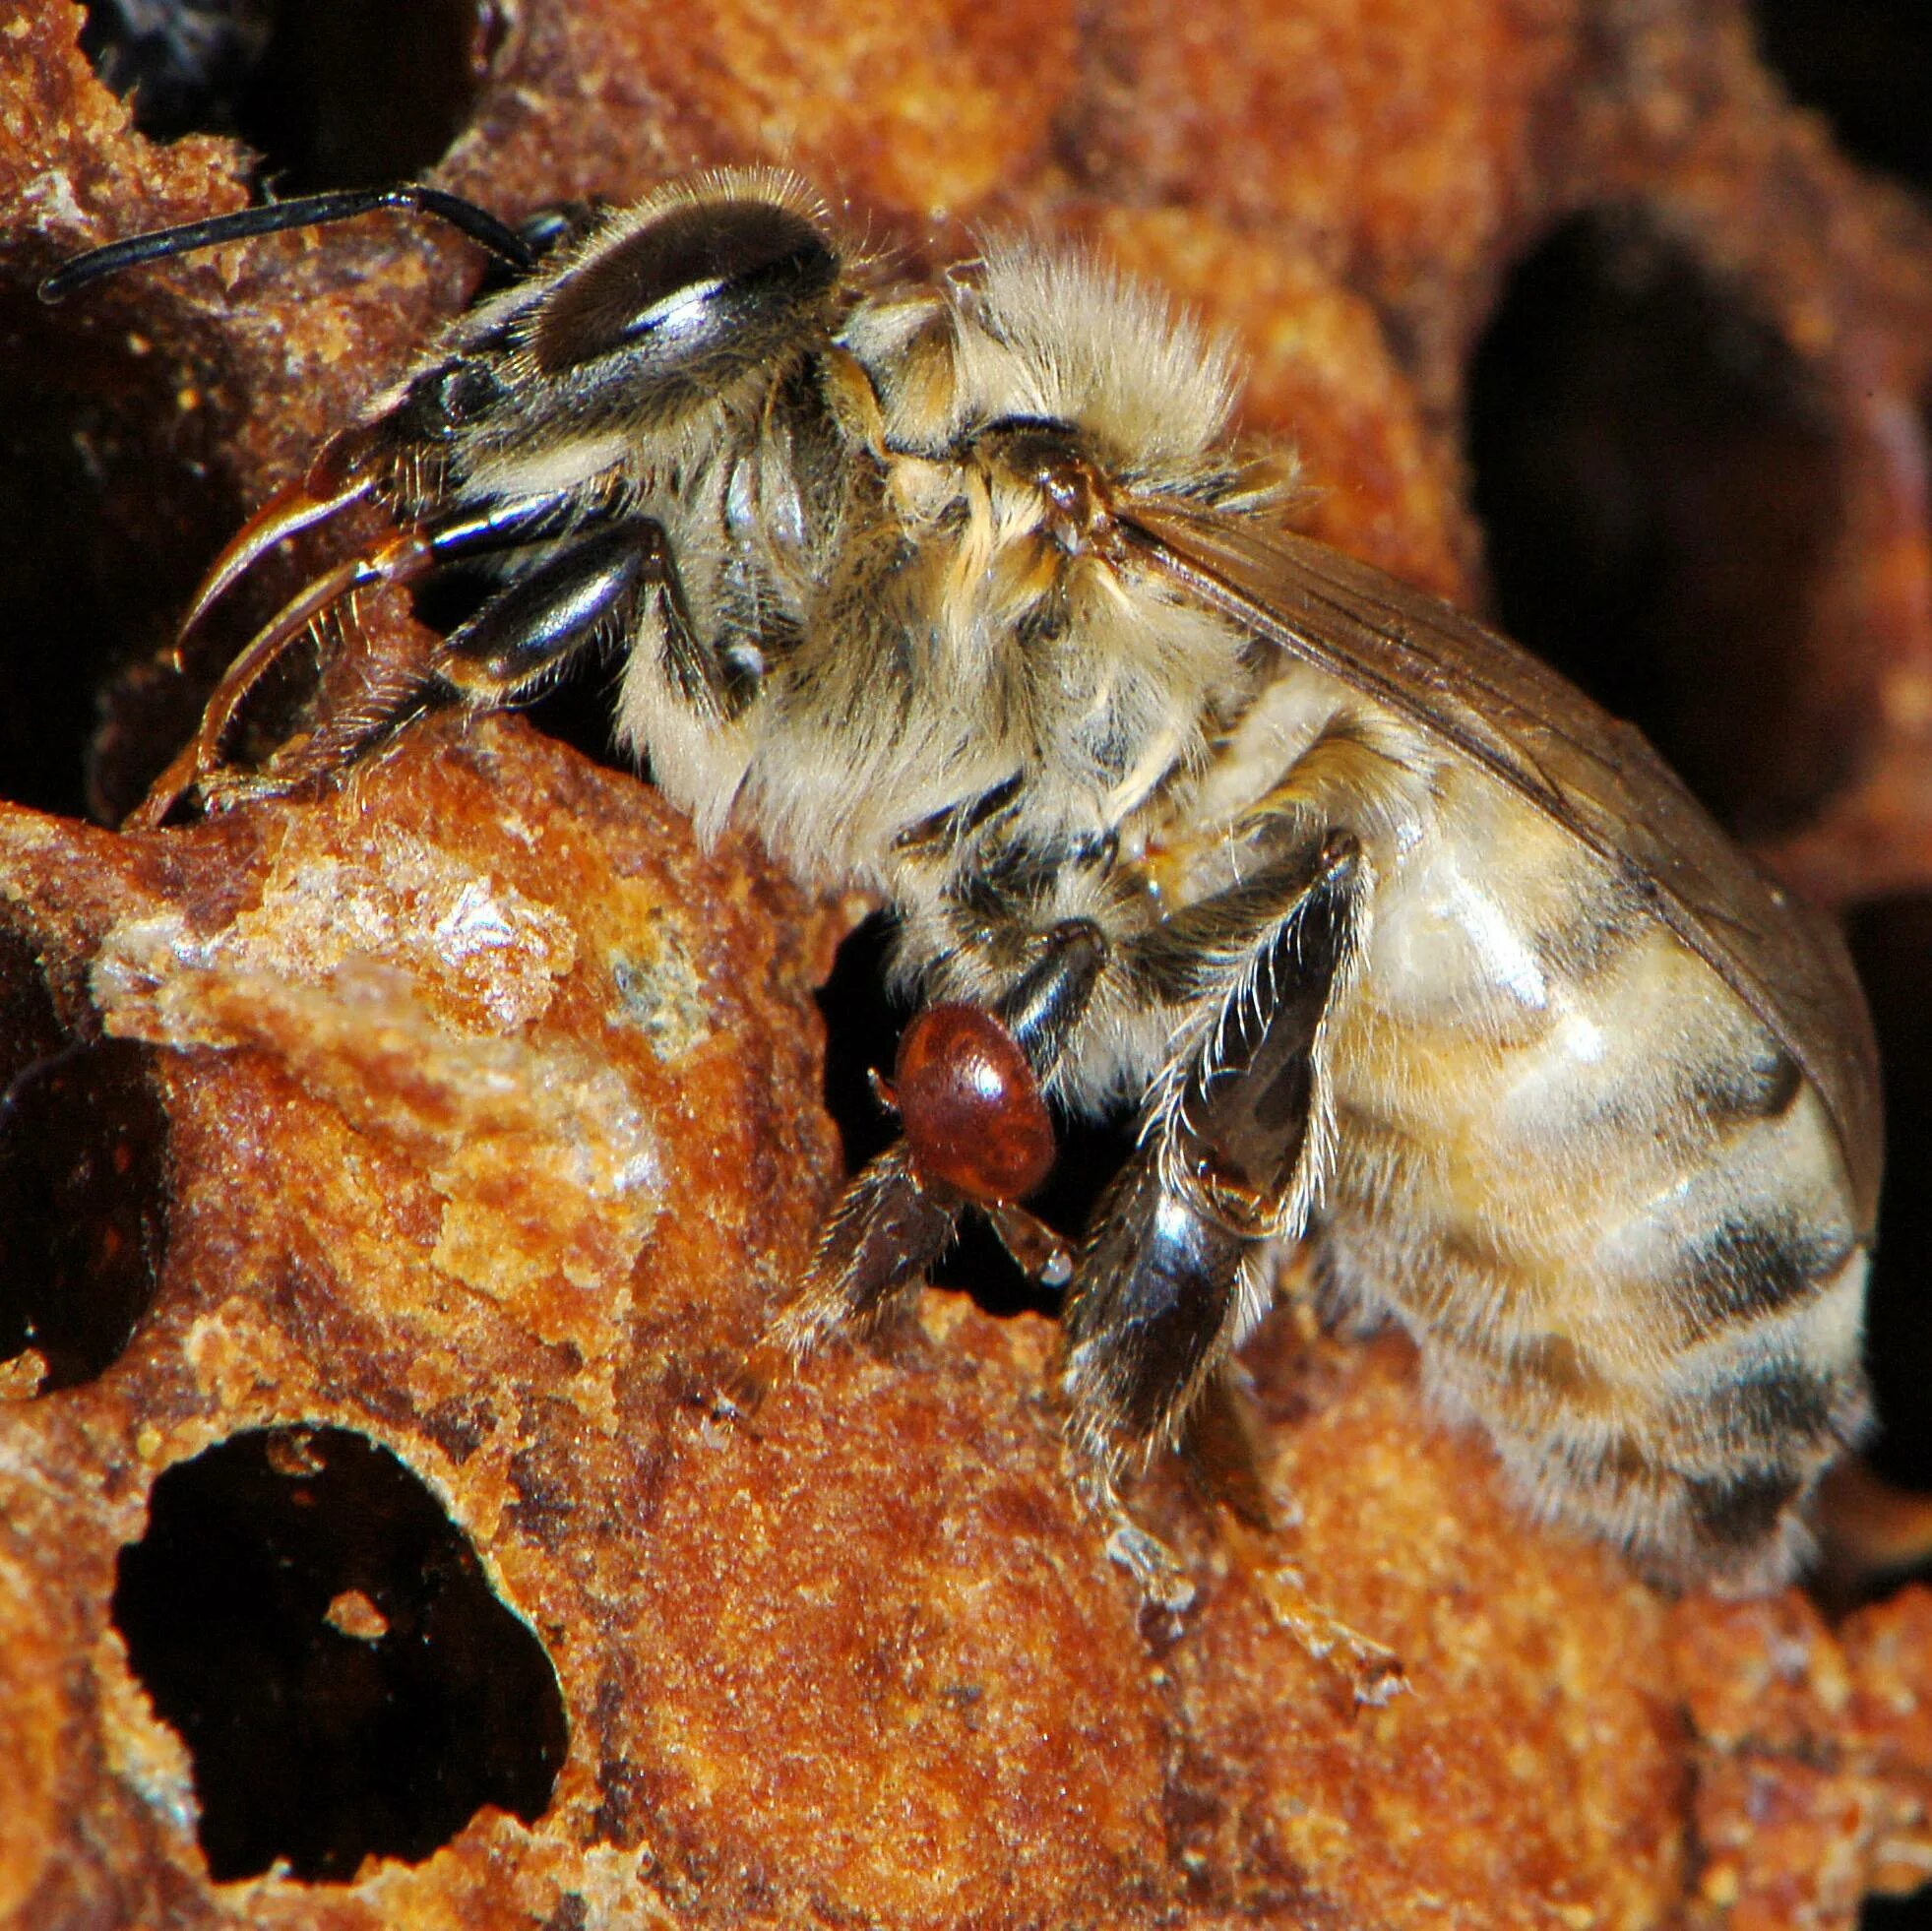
x: 414, y: 1162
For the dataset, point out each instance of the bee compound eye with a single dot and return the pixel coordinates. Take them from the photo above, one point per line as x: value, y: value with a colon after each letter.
x: 970, y: 1106
x: 466, y: 391
x: 708, y: 281
x: 442, y: 401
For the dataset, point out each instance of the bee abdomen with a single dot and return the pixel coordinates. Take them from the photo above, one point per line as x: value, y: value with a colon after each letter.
x: 1622, y: 1231
x: 1698, y: 1466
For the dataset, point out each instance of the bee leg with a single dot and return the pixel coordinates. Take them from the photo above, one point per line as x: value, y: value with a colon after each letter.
x: 894, y: 1219
x: 401, y: 560
x: 405, y: 557
x: 526, y: 633
x: 1225, y: 1458
x: 1046, y: 1003
x: 1373, y: 1672
x: 1222, y: 1461
x: 328, y: 488
x: 1223, y: 1452
x: 1177, y: 1265
x: 1154, y: 1300
x: 352, y: 466
x: 1043, y: 1256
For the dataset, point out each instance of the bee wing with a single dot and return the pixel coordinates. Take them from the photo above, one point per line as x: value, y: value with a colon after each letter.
x: 1534, y: 731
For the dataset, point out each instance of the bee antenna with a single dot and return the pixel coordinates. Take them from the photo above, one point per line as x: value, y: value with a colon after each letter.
x: 305, y: 212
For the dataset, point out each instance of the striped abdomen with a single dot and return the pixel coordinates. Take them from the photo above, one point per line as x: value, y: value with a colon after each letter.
x: 1599, y: 1191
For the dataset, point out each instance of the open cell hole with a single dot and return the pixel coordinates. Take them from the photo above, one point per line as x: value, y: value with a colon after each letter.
x: 862, y: 1027
x: 105, y: 517
x: 305, y: 1614
x: 1866, y: 64
x: 82, y: 1186
x: 1659, y: 481
x: 1891, y: 941
x: 331, y: 96
x: 1908, y: 1913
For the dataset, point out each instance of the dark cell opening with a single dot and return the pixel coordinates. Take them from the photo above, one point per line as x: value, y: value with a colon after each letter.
x: 83, y: 1183
x: 575, y: 708
x: 1891, y: 941
x: 1867, y: 64
x: 1910, y: 1913
x: 862, y: 1026
x: 1658, y: 482
x: 305, y: 1614
x: 103, y: 525
x: 331, y: 96
x: 185, y: 62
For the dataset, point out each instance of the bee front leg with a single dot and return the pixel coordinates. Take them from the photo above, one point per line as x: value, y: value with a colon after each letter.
x: 1177, y: 1265
x: 589, y: 588
x: 586, y: 589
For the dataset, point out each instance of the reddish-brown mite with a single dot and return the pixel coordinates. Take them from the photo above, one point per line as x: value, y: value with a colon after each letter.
x: 970, y: 1106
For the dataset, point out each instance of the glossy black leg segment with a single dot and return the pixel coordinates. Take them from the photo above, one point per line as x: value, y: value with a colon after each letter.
x: 1043, y: 1007
x: 543, y: 619
x: 1153, y: 1294
x: 1174, y: 1259
x: 1225, y: 1451
x: 526, y: 631
x: 507, y: 526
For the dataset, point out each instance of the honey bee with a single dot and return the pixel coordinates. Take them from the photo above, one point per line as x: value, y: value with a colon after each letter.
x: 956, y: 588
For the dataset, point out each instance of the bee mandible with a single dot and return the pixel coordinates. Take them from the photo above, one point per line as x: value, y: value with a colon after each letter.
x: 958, y: 588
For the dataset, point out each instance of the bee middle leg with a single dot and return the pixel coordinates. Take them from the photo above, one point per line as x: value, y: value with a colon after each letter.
x: 894, y: 1220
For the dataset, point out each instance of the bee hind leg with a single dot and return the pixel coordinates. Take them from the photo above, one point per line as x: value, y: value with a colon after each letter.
x: 1225, y: 1461
x: 1178, y: 1264
x: 1155, y: 1303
